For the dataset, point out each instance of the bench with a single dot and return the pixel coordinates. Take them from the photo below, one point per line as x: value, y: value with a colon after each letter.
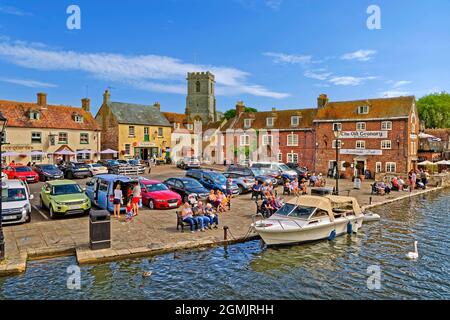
x: 180, y: 222
x: 286, y: 190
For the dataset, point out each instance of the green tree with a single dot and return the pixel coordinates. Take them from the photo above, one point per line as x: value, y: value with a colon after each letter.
x: 232, y: 112
x: 434, y: 110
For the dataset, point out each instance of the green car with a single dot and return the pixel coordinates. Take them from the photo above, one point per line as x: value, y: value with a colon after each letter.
x: 64, y: 197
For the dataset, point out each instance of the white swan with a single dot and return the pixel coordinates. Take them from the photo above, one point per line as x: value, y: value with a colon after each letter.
x: 413, y: 255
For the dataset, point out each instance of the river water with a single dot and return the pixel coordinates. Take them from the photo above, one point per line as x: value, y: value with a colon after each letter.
x: 323, y: 270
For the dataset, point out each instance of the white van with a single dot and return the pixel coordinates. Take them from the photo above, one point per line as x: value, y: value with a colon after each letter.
x: 16, y: 207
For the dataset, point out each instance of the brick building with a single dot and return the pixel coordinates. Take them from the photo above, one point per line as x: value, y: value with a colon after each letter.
x: 379, y: 135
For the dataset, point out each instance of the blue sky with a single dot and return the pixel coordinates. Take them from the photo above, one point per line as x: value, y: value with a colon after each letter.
x: 268, y: 53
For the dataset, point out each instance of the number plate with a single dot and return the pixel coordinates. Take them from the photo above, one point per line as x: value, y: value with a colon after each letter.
x: 173, y: 204
x: 6, y: 218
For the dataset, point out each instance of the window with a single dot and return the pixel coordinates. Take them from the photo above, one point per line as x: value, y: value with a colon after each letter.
x: 378, y: 167
x: 146, y: 134
x: 131, y: 131
x: 197, y: 86
x: 292, y: 140
x: 292, y: 157
x: 189, y: 126
x: 62, y: 138
x: 360, y: 126
x: 81, y: 157
x: 36, y: 137
x: 386, y: 125
x: 391, y: 167
x: 337, y: 126
x: 363, y: 109
x: 360, y: 144
x: 295, y: 121
x: 280, y: 157
x: 37, y: 157
x: 245, y: 140
x: 84, y: 138
x: 269, y: 122
x: 413, y: 147
x: 339, y: 143
x: 127, y: 149
x: 247, y: 123
x: 267, y: 140
x: 3, y: 137
x: 78, y: 118
x: 35, y: 115
x: 160, y: 132
x: 176, y: 126
x: 386, y: 144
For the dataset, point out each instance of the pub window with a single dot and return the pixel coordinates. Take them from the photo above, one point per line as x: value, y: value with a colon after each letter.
x: 267, y: 140
x: 62, y: 138
x: 386, y: 144
x: 360, y: 126
x: 78, y: 118
x: 36, y: 137
x: 378, y: 167
x: 269, y: 122
x: 339, y: 144
x: 131, y: 131
x: 280, y: 157
x: 337, y: 126
x: 292, y: 140
x: 245, y: 140
x: 160, y: 132
x: 84, y: 138
x: 292, y: 157
x: 363, y: 109
x: 35, y: 115
x: 295, y: 120
x: 386, y: 125
x: 360, y: 144
x: 36, y: 157
x: 127, y: 148
x: 391, y: 167
x: 247, y: 123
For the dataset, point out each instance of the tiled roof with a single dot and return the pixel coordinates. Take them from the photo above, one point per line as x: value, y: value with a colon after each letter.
x: 282, y: 119
x: 212, y: 125
x: 130, y: 113
x: 180, y: 118
x: 51, y: 117
x: 378, y: 109
x: 443, y: 134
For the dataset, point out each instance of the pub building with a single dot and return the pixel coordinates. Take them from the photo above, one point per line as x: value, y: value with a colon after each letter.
x: 374, y: 136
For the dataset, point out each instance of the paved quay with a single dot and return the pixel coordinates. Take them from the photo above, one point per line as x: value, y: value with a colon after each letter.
x: 152, y: 232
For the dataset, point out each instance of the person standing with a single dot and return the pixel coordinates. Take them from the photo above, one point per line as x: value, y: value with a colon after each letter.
x: 118, y: 196
x: 136, y: 197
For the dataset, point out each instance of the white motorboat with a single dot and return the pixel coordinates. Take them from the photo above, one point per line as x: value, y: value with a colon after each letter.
x: 311, y: 218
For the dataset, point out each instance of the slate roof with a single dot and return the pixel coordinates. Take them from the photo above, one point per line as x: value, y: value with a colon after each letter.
x: 130, y: 113
x: 51, y: 117
x: 378, y: 109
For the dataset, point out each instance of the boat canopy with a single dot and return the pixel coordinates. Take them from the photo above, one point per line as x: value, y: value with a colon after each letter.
x: 328, y: 203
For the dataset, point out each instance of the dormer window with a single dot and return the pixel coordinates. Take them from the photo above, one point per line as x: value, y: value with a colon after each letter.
x: 363, y: 109
x: 295, y: 120
x: 247, y: 123
x: 189, y: 126
x: 269, y: 122
x: 35, y: 115
x: 77, y: 118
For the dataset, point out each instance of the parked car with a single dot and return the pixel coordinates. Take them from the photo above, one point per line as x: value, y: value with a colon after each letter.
x: 284, y: 171
x: 100, y: 190
x: 244, y: 182
x: 16, y: 207
x: 75, y: 170
x: 109, y: 164
x: 302, y: 172
x: 97, y: 168
x: 48, y: 172
x: 187, y: 186
x: 21, y: 172
x: 188, y: 163
x: 258, y: 174
x: 63, y: 198
x: 4, y: 176
x: 212, y: 180
x: 156, y: 195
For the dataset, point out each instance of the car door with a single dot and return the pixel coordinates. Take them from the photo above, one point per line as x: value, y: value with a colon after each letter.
x: 102, y: 193
x: 179, y: 188
x: 10, y: 172
x: 90, y: 191
x: 45, y: 194
x: 145, y: 194
x: 207, y: 182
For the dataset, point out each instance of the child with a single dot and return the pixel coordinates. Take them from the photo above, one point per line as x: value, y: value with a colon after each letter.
x: 130, y: 214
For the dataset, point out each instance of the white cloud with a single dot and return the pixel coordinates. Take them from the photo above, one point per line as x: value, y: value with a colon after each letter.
x: 360, y: 55
x: 274, y: 4
x: 288, y: 58
x: 29, y: 83
x: 397, y: 84
x: 139, y: 71
x: 394, y: 93
x: 349, y: 81
x: 252, y: 4
x: 318, y: 75
x: 13, y: 11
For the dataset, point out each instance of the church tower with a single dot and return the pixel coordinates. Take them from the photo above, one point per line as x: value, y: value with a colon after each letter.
x: 200, y: 100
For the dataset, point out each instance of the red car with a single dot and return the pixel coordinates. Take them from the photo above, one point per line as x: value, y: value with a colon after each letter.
x: 156, y: 195
x: 23, y: 173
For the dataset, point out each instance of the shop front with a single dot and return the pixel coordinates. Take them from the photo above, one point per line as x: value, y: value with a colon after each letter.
x: 145, y: 150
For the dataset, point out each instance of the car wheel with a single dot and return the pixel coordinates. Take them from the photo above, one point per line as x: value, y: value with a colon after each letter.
x: 41, y: 203
x: 52, y: 214
x: 86, y: 212
x: 241, y: 189
x: 44, y: 179
x: 151, y: 204
x: 69, y: 175
x: 28, y: 220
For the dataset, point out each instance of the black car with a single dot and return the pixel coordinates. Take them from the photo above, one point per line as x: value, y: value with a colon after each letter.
x: 302, y: 172
x: 186, y: 186
x: 75, y: 170
x: 259, y: 174
x: 48, y: 172
x: 109, y: 164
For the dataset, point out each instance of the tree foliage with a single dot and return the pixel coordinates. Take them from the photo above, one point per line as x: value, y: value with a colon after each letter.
x: 232, y: 112
x: 434, y: 110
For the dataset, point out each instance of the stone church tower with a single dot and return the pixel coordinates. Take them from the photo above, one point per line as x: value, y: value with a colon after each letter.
x: 200, y: 100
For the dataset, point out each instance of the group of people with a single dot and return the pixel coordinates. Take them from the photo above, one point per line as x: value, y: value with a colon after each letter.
x: 199, y: 216
x: 295, y: 187
x: 263, y: 190
x: 219, y: 200
x: 133, y: 198
x: 418, y: 179
x: 317, y: 180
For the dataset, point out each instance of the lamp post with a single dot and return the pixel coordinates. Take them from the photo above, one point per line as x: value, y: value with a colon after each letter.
x: 3, y: 122
x: 337, y: 133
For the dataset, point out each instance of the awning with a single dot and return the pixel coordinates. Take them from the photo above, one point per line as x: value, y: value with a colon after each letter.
x: 65, y: 153
x: 109, y: 151
x: 426, y: 163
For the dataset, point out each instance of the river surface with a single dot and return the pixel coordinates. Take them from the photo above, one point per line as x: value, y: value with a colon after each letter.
x: 323, y: 270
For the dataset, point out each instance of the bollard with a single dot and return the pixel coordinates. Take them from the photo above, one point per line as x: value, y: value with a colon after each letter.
x: 225, y: 232
x: 370, y: 200
x: 348, y: 193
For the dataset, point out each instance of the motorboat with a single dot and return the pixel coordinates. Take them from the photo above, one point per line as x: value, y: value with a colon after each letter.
x: 311, y: 218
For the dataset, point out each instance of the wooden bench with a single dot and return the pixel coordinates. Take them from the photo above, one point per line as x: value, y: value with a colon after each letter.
x: 180, y: 222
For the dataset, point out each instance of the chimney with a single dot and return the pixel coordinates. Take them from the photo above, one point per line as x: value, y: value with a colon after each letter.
x: 106, y: 97
x: 274, y: 109
x: 240, y: 108
x: 322, y: 101
x: 86, y: 104
x: 157, y: 105
x: 42, y: 99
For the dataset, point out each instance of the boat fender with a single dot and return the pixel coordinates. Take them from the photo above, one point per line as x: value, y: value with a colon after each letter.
x: 349, y: 228
x: 332, y: 235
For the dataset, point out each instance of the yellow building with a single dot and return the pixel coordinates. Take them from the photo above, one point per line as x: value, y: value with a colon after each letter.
x: 37, y: 132
x: 134, y: 130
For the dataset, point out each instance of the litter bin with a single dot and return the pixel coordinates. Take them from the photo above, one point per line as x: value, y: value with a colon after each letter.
x: 357, y: 183
x: 99, y: 230
x: 321, y: 191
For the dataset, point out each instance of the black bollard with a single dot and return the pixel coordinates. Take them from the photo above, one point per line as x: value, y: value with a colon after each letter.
x: 225, y: 232
x: 370, y: 200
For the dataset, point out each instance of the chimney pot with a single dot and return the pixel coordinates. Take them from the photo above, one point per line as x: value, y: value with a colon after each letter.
x: 157, y: 105
x: 106, y: 97
x: 240, y: 108
x: 86, y: 104
x: 322, y: 101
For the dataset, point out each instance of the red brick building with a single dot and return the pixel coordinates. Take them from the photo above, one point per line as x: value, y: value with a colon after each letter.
x: 379, y: 135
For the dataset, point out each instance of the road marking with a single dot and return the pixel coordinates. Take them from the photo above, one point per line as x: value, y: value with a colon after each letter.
x: 39, y: 210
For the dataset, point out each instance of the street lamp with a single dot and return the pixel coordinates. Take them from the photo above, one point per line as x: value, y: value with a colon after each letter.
x: 337, y: 133
x: 3, y: 122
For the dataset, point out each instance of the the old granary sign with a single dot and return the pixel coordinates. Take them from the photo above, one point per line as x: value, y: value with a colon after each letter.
x: 363, y: 135
x: 362, y: 152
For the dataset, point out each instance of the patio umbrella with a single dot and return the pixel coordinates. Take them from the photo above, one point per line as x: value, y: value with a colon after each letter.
x: 109, y: 151
x: 426, y: 163
x: 37, y: 153
x: 10, y: 154
x: 443, y: 163
x: 85, y: 152
x: 65, y: 153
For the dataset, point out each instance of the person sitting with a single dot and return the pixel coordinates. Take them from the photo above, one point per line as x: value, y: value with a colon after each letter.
x: 212, y: 215
x: 219, y: 201
x: 187, y: 216
x: 320, y: 181
x: 401, y: 184
x: 212, y: 198
x: 313, y: 180
x: 199, y: 216
x: 287, y: 187
x: 303, y: 188
x: 395, y: 184
x: 267, y: 208
x: 256, y: 191
x: 294, y: 187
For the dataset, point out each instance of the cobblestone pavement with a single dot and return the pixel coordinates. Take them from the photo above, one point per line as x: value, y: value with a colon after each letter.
x: 152, y: 230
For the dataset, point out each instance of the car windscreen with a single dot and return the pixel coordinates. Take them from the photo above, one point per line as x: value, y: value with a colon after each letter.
x: 156, y: 187
x: 192, y: 184
x: 284, y: 167
x: 113, y: 162
x: 261, y: 165
x: 97, y: 165
x: 66, y: 189
x: 50, y: 167
x: 134, y: 162
x: 23, y: 169
x: 16, y: 194
x: 80, y: 165
x: 218, y: 178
